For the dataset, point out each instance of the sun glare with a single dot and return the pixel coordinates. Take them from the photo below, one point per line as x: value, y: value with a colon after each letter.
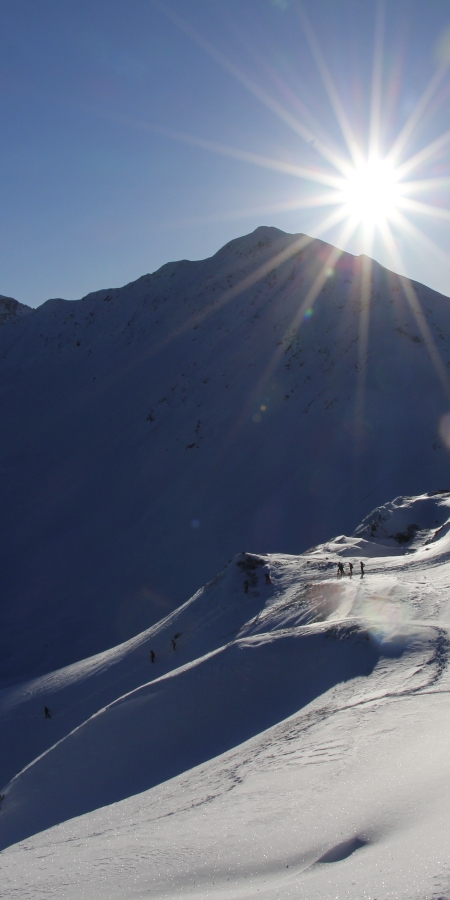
x: 370, y: 193
x: 369, y: 186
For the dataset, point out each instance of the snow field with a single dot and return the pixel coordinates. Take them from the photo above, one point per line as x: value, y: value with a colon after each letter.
x: 295, y: 745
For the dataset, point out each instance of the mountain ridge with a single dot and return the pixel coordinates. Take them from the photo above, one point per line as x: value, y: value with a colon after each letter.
x: 151, y: 431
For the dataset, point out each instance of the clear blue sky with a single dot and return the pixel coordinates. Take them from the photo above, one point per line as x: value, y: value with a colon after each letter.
x: 105, y: 105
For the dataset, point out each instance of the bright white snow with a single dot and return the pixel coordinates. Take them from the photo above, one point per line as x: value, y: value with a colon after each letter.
x: 294, y: 744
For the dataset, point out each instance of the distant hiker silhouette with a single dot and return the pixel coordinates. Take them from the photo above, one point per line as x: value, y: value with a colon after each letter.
x: 340, y: 568
x: 350, y: 565
x: 47, y: 712
x: 267, y: 577
x: 246, y: 586
x: 362, y: 569
x: 152, y: 656
x: 174, y: 643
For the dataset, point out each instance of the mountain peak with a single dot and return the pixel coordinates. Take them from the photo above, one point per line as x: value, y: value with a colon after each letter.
x: 206, y: 407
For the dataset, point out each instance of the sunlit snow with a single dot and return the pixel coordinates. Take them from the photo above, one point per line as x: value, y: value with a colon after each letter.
x: 294, y: 744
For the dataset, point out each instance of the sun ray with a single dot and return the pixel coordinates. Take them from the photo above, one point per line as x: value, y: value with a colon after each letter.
x: 427, y: 184
x: 423, y: 155
x: 262, y: 95
x: 322, y: 140
x: 232, y: 293
x: 416, y: 309
x: 307, y: 174
x: 366, y: 187
x: 299, y: 318
x: 424, y: 209
x: 329, y: 222
x: 319, y: 200
x: 311, y: 296
x: 257, y: 159
x: 422, y: 238
x: 418, y: 111
x: 377, y: 81
x: 363, y: 342
x: 338, y: 109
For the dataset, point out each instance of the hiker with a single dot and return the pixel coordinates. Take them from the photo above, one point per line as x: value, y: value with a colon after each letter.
x: 246, y: 586
x: 340, y: 568
x: 267, y: 577
x: 47, y: 712
x: 152, y: 656
x: 174, y: 643
x: 350, y: 565
x: 362, y: 569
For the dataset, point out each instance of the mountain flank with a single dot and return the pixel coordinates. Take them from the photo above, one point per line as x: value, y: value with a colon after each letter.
x: 150, y: 432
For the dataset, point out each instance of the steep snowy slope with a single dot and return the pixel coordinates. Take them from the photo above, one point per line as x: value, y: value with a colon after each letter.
x: 151, y: 432
x: 326, y: 699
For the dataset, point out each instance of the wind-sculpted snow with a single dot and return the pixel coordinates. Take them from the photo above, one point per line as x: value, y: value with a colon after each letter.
x: 180, y: 721
x: 268, y: 639
x: 152, y: 431
x: 303, y: 712
x: 408, y: 521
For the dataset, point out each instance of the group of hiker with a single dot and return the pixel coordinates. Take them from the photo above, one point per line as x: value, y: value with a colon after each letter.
x: 341, y: 570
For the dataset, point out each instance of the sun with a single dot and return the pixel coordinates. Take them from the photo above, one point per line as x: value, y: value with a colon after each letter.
x: 370, y: 193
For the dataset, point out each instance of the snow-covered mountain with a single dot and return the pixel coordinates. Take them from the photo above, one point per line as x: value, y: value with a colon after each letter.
x: 294, y: 743
x: 151, y: 432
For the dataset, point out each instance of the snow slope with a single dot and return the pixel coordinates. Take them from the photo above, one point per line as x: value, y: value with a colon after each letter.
x: 294, y: 744
x: 151, y: 432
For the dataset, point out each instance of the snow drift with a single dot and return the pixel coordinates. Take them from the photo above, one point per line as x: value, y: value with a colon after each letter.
x: 228, y: 665
x: 294, y: 741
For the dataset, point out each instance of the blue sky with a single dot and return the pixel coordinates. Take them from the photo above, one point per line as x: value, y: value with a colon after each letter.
x: 138, y: 132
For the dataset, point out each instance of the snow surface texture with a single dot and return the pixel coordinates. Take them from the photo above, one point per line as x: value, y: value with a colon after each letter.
x: 150, y: 433
x: 293, y: 744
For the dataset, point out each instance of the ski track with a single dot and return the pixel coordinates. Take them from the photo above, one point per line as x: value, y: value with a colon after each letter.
x: 324, y: 702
